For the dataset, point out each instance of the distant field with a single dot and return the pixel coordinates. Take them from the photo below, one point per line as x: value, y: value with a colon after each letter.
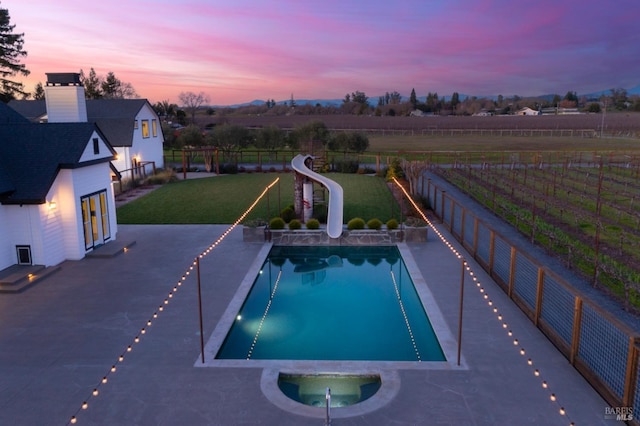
x: 622, y: 124
x: 485, y: 143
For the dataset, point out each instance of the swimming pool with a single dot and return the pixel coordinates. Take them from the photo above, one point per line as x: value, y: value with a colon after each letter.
x: 332, y: 303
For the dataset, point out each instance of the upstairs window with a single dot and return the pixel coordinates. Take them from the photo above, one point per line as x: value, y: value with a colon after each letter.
x: 96, y: 146
x: 135, y: 124
x: 154, y: 127
x: 145, y: 128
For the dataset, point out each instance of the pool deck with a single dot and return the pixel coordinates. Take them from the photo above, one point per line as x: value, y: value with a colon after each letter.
x: 59, y: 338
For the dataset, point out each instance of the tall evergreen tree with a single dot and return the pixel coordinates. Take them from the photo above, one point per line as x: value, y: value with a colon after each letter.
x: 92, y: 89
x: 38, y: 92
x: 10, y: 53
x: 413, y: 99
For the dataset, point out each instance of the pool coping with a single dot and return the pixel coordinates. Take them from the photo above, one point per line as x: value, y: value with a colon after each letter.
x: 447, y: 342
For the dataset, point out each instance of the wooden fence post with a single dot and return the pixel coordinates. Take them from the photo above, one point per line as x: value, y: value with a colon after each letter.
x: 575, y: 336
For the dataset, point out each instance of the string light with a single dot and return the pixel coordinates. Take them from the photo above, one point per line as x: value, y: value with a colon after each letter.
x: 183, y: 278
x: 467, y: 266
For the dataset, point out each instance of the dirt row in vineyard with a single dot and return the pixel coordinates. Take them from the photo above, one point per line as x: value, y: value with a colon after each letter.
x: 558, y: 210
x: 572, y: 210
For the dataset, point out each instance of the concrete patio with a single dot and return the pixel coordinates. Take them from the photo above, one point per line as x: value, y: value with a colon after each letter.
x: 60, y: 338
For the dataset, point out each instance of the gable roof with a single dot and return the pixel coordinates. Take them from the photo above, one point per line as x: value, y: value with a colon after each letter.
x: 8, y: 115
x: 32, y: 154
x: 113, y: 116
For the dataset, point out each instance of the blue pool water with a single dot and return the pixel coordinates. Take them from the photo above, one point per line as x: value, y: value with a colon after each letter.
x: 332, y: 303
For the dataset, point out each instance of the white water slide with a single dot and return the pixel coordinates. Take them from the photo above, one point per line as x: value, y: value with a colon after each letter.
x: 335, y: 207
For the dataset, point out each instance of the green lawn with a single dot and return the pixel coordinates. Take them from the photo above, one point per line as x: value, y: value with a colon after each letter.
x: 222, y: 199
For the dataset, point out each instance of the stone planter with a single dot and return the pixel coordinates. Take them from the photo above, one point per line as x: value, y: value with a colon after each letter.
x: 253, y: 234
x: 309, y: 237
x: 415, y: 234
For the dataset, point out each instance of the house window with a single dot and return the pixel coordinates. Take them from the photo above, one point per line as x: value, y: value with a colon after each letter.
x: 24, y: 255
x: 96, y: 146
x: 145, y: 128
x: 154, y: 127
x: 135, y: 124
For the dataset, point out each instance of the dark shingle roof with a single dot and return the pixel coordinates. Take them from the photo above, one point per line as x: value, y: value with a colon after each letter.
x: 8, y: 115
x: 114, y: 108
x: 113, y: 116
x: 32, y: 110
x: 32, y: 154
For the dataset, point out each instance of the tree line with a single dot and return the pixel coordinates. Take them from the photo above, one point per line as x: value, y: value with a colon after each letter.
x: 394, y: 103
x: 232, y: 138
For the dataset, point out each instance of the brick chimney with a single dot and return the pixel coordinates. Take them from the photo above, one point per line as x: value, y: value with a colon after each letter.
x: 64, y: 94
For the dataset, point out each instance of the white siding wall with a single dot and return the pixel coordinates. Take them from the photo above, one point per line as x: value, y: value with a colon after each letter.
x: 7, y: 257
x: 147, y: 149
x: 25, y: 229
x: 88, y: 180
x: 52, y: 233
x: 72, y: 238
x: 103, y: 150
x: 124, y: 159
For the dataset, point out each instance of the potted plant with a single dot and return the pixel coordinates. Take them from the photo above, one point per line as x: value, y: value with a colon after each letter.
x: 415, y: 230
x: 253, y: 231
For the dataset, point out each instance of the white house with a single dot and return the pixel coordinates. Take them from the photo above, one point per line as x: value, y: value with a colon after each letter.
x: 56, y: 196
x: 527, y: 111
x: 131, y: 126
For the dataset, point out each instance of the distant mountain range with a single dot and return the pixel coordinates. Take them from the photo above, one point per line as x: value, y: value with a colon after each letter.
x: 373, y: 100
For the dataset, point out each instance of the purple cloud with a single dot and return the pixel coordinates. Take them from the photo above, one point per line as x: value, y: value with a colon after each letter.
x: 242, y: 50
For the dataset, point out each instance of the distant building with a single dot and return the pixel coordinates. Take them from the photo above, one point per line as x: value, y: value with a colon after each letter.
x: 560, y: 111
x: 527, y: 111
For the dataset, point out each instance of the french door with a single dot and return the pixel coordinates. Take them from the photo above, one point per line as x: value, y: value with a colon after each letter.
x: 95, y: 219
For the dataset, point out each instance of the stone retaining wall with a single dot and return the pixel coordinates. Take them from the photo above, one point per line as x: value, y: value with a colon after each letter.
x: 348, y: 238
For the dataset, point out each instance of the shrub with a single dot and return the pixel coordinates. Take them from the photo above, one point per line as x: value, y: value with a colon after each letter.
x: 355, y: 223
x: 312, y: 224
x: 424, y: 202
x: 162, y: 177
x: 288, y: 214
x: 295, y: 224
x: 276, y: 223
x: 392, y: 224
x: 374, y: 224
x: 346, y: 166
x: 395, y: 170
x: 229, y: 168
x: 320, y: 213
x: 254, y: 223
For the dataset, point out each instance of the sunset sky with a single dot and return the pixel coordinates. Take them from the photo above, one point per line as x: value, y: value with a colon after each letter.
x: 240, y: 50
